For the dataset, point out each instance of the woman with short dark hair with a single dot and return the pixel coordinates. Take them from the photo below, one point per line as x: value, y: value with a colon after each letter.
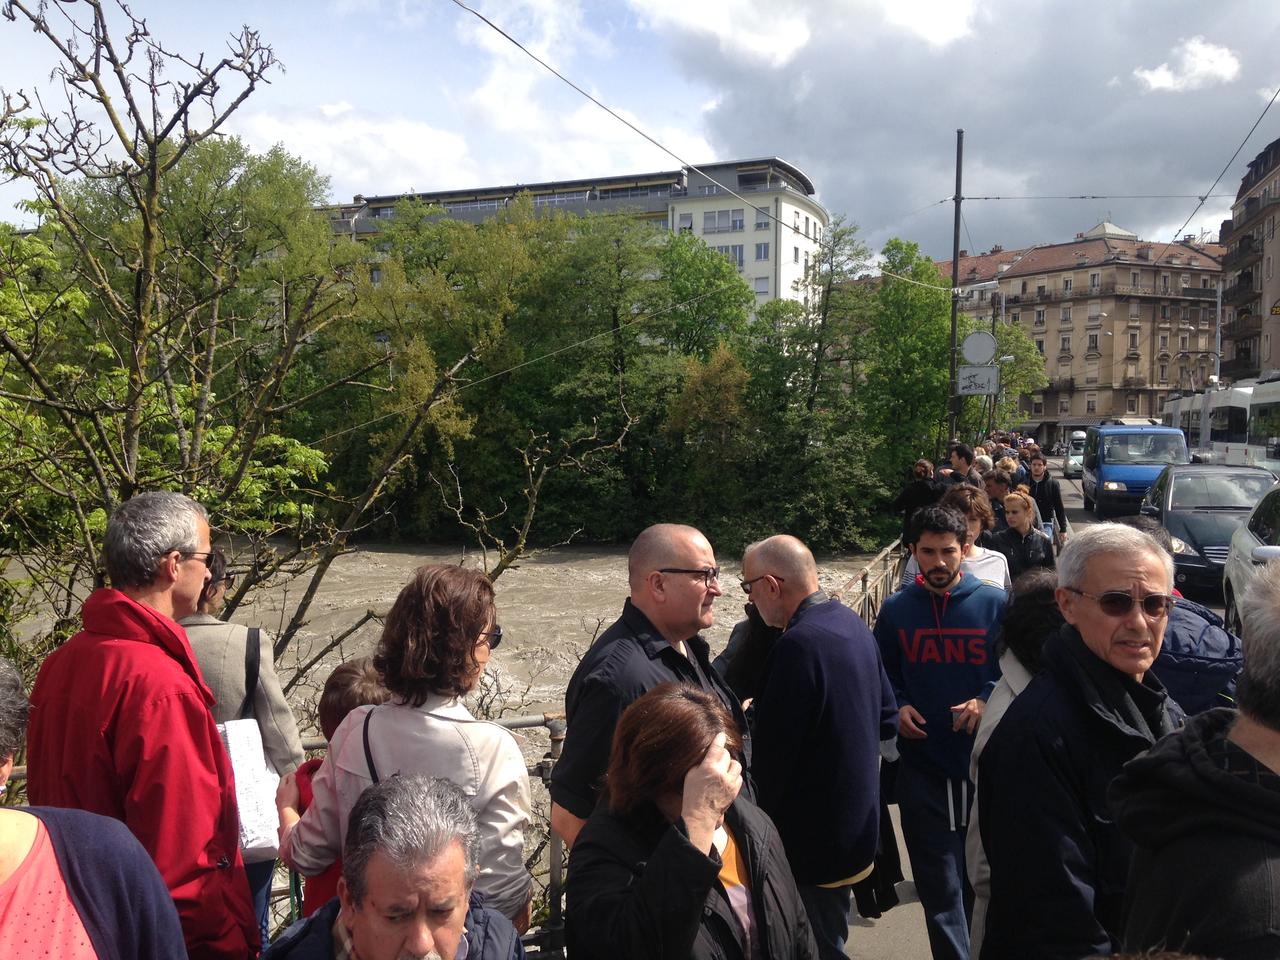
x: 435, y: 643
x: 673, y: 863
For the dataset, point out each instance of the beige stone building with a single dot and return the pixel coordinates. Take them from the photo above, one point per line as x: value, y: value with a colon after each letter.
x: 979, y: 279
x: 1251, y: 298
x: 1121, y: 323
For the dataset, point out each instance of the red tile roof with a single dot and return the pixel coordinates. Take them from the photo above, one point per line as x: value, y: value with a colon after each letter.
x: 1101, y: 250
x: 981, y: 268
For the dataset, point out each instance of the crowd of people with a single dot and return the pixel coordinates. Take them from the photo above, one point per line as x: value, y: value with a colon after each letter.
x: 1053, y: 722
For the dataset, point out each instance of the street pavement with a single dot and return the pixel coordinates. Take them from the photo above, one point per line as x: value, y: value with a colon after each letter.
x: 899, y: 934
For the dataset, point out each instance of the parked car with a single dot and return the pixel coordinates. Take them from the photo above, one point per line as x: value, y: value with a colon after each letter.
x: 1201, y: 505
x: 1121, y: 461
x: 1073, y: 461
x: 1255, y: 541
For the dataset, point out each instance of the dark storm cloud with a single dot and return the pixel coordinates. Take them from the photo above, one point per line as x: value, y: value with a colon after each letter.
x: 1049, y: 102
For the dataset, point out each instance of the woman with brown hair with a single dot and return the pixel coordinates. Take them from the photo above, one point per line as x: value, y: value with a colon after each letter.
x: 673, y: 863
x: 435, y: 643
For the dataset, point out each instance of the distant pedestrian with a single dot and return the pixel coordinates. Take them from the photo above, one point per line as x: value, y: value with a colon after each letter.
x: 921, y: 491
x: 1047, y: 494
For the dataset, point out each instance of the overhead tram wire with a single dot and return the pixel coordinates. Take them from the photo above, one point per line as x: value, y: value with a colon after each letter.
x: 1103, y: 196
x: 1222, y: 173
x: 665, y: 149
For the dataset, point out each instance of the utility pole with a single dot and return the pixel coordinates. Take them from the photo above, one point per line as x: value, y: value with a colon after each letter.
x: 954, y: 397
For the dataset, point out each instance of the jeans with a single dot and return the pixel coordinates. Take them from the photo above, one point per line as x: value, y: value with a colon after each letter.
x: 828, y: 910
x: 935, y: 817
x: 260, y: 875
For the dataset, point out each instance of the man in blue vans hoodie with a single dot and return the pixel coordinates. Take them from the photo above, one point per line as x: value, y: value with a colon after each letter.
x: 936, y: 639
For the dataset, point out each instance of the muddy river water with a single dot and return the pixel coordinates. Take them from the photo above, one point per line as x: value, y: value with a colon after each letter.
x: 550, y: 608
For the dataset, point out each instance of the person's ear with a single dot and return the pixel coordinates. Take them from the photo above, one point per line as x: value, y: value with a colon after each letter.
x: 1066, y: 603
x: 344, y: 898
x: 657, y: 585
x: 169, y: 566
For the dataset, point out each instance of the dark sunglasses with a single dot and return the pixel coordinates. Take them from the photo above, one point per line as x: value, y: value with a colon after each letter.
x: 492, y: 637
x: 1114, y: 603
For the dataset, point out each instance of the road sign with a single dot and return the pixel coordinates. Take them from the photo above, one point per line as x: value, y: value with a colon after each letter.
x: 979, y: 347
x: 978, y: 381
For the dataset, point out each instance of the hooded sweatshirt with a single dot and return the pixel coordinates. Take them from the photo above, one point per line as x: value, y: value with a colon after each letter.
x: 1205, y: 818
x: 938, y: 652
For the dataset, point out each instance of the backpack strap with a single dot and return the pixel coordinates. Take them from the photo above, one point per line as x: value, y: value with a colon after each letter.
x: 252, y: 662
x: 368, y: 754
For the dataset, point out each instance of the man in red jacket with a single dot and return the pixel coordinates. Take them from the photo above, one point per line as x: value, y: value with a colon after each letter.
x: 120, y: 723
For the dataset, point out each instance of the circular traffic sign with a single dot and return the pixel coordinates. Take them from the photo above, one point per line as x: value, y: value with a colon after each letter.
x: 979, y: 347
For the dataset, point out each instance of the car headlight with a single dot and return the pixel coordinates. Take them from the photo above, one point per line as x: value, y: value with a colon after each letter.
x: 1114, y: 485
x: 1181, y: 546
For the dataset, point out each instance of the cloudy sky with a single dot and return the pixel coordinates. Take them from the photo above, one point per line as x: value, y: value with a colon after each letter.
x: 1112, y: 98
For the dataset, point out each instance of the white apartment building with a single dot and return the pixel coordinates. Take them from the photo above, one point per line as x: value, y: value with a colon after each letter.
x: 770, y: 234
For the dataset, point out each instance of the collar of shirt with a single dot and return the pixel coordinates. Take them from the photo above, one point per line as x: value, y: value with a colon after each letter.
x: 344, y: 949
x: 812, y: 600
x: 653, y: 642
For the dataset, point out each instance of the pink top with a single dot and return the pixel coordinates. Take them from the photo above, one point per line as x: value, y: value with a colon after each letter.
x: 37, y: 917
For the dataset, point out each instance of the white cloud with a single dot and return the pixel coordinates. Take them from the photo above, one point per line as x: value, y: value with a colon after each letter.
x: 1196, y: 64
x: 937, y: 22
x: 758, y: 29
x: 365, y: 153
x: 336, y: 109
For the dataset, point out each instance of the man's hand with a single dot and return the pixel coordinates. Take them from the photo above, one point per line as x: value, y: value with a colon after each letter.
x: 911, y: 723
x: 709, y: 790
x: 965, y: 716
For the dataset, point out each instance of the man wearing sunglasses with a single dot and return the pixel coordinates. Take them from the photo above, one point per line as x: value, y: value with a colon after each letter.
x: 674, y: 582
x: 1055, y: 852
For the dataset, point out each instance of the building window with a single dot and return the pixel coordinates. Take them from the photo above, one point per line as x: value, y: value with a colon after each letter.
x: 1164, y: 372
x: 1040, y: 347
x: 762, y: 251
x: 796, y: 226
x: 762, y: 218
x: 1164, y: 311
x: 1037, y: 406
x: 1093, y: 341
x: 1040, y: 316
x: 686, y: 223
x: 1066, y: 343
x: 734, y: 253
x: 1164, y: 341
x: 1091, y: 404
x: 806, y: 261
x: 1164, y: 283
x: 375, y: 275
x: 806, y: 226
x: 1064, y: 405
x: 722, y: 221
x: 737, y: 220
x: 1135, y: 279
x: 1024, y: 286
x: 1184, y: 342
x: 1133, y: 339
x: 1066, y: 284
x: 1132, y: 403
x: 1015, y: 317
x: 762, y: 286
x: 1066, y: 315
x: 1095, y: 281
x: 384, y: 213
x: 1135, y: 310
x: 795, y: 254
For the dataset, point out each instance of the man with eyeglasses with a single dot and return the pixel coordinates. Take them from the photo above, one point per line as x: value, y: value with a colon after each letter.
x: 121, y: 723
x: 674, y: 582
x: 1058, y: 861
x: 817, y: 733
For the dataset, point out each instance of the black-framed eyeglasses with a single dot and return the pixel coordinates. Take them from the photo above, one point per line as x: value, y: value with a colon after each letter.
x: 709, y: 575
x: 746, y: 584
x: 228, y: 581
x: 492, y: 637
x: 204, y: 557
x: 1116, y: 603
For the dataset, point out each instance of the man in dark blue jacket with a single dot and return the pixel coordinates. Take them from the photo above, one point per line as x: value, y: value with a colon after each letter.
x: 936, y: 639
x: 408, y: 869
x: 817, y: 733
x: 1058, y: 861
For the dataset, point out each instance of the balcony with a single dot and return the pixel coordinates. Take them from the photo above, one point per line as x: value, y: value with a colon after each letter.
x: 1247, y: 252
x: 1248, y: 326
x: 1254, y: 209
x: 1237, y: 368
x: 1194, y: 293
x: 1241, y: 292
x: 1133, y: 382
x: 1062, y: 385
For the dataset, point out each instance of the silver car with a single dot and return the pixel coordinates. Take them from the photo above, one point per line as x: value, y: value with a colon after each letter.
x: 1073, y: 462
x: 1254, y: 542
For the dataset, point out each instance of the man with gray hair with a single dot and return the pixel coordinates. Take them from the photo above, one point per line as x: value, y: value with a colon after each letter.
x: 407, y: 889
x: 1058, y: 862
x: 120, y: 723
x: 1203, y: 809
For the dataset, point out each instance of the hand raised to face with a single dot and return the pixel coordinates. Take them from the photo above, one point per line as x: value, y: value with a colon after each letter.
x: 709, y: 790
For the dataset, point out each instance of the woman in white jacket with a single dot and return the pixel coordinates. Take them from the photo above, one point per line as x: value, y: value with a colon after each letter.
x: 435, y: 643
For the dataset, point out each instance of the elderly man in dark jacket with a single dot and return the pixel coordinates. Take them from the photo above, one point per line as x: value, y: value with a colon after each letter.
x: 1058, y: 862
x: 1203, y: 808
x: 408, y: 871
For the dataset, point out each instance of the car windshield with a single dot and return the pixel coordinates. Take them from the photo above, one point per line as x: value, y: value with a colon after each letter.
x: 1145, y: 448
x: 1239, y: 491
x: 1077, y: 446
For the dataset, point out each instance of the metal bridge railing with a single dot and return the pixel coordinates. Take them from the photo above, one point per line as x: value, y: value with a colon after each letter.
x: 867, y: 590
